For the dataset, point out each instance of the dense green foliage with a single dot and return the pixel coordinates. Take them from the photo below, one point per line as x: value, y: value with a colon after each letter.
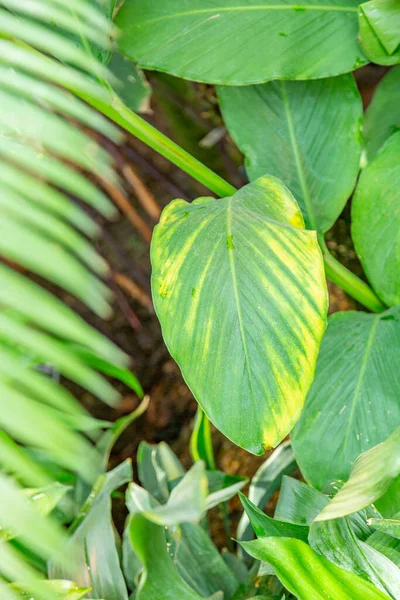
x: 238, y: 286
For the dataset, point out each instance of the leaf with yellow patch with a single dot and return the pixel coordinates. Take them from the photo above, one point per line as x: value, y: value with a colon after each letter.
x: 238, y: 285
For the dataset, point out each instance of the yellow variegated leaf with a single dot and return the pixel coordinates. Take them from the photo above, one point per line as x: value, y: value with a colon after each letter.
x: 239, y: 288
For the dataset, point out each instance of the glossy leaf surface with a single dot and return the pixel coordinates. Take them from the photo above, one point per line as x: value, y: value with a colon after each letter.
x: 278, y: 126
x: 382, y: 118
x: 241, y: 41
x: 376, y: 221
x: 308, y: 575
x: 239, y: 289
x: 348, y: 414
x: 370, y: 478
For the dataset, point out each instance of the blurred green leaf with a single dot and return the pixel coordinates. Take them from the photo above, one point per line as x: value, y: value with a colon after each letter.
x: 201, y: 442
x: 200, y: 564
x: 382, y: 117
x: 376, y: 222
x: 380, y: 31
x: 133, y: 88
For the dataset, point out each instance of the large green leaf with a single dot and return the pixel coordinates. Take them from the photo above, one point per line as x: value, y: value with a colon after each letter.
x: 382, y: 118
x: 241, y: 41
x: 370, y: 478
x: 239, y: 289
x: 307, y: 133
x: 310, y: 576
x: 380, y: 31
x: 376, y: 221
x: 352, y: 404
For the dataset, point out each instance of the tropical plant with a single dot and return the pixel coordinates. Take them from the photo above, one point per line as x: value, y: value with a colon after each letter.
x: 238, y: 285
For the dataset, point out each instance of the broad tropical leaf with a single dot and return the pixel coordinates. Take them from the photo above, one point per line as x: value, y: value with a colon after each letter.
x: 376, y: 221
x: 370, y: 478
x: 344, y: 416
x: 380, y: 31
x: 240, y: 42
x: 382, y: 118
x: 239, y: 284
x: 308, y: 575
x: 278, y: 126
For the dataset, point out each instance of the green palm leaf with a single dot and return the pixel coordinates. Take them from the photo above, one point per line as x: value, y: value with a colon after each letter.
x: 45, y: 160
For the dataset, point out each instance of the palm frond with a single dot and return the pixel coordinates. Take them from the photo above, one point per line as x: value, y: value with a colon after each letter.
x: 45, y: 165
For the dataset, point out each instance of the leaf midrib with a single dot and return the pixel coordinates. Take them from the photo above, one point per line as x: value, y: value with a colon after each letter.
x: 357, y: 391
x: 237, y: 299
x: 297, y: 158
x: 215, y: 12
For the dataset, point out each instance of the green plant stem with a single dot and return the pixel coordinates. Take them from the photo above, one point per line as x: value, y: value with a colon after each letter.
x: 134, y: 124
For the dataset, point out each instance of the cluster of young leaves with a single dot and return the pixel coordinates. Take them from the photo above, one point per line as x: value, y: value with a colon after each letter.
x: 314, y: 548
x: 323, y: 548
